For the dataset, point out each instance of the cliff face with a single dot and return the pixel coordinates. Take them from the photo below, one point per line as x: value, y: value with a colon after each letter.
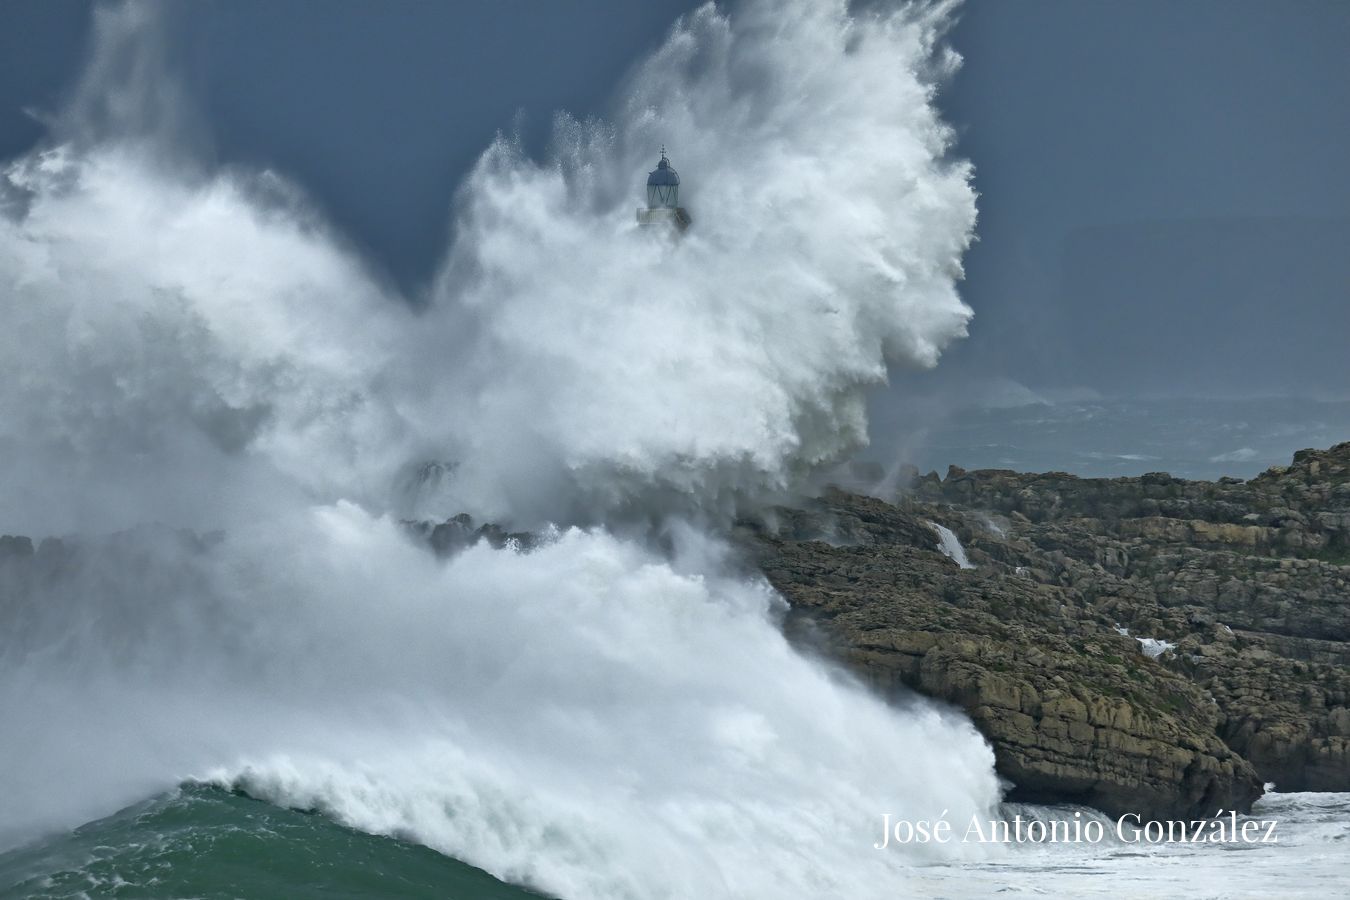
x: 1241, y: 588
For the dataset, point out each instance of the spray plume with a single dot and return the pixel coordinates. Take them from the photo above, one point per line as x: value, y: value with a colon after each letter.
x: 196, y: 347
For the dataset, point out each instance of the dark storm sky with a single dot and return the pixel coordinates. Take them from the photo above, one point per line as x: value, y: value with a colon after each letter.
x: 1165, y: 203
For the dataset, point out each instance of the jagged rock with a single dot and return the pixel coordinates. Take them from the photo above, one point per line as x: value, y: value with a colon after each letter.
x: 1248, y: 580
x: 459, y: 532
x: 1073, y: 710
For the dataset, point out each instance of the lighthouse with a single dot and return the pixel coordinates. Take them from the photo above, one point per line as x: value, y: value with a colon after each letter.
x: 663, y: 198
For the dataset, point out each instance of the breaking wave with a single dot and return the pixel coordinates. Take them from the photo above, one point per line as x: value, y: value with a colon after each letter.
x: 197, y: 348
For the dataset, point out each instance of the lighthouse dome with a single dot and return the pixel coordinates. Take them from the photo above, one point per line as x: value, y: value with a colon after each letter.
x: 663, y: 185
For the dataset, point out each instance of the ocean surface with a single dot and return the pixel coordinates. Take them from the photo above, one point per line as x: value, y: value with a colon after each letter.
x: 1307, y: 860
x: 1188, y: 437
x: 203, y: 841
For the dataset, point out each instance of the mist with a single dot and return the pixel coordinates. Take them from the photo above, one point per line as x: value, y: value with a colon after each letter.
x: 224, y: 413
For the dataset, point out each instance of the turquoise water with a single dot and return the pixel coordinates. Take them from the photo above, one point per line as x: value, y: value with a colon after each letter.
x: 206, y: 842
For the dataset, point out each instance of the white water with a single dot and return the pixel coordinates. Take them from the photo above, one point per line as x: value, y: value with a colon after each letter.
x: 1306, y: 862
x: 1151, y: 647
x: 1154, y: 647
x: 197, y: 348
x: 950, y: 546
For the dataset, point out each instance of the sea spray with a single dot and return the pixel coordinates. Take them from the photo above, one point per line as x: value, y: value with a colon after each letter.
x: 950, y: 546
x: 582, y: 717
x: 593, y: 717
x: 609, y: 370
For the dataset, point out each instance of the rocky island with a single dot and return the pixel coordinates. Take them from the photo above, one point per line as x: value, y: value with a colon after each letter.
x: 1146, y: 644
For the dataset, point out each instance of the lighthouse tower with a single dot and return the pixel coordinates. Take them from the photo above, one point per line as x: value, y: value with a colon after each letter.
x: 663, y: 198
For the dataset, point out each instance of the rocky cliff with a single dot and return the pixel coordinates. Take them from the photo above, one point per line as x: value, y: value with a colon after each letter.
x: 1142, y: 644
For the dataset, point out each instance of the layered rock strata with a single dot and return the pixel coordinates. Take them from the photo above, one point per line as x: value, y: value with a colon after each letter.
x: 1146, y: 644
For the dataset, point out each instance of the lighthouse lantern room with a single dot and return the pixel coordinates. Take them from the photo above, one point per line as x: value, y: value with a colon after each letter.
x: 663, y: 198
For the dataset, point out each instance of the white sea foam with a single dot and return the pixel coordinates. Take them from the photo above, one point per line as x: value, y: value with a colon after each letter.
x: 1311, y: 830
x: 996, y: 528
x: 1154, y: 647
x: 583, y: 717
x: 1150, y: 647
x: 950, y: 546
x: 195, y: 347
